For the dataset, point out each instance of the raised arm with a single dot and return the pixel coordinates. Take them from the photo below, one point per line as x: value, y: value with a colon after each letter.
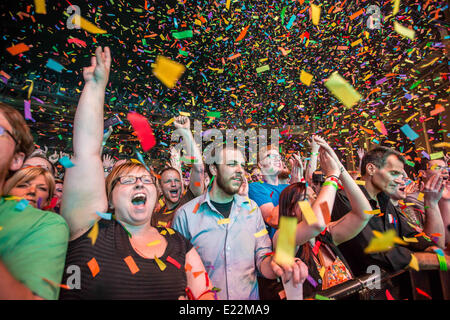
x: 353, y: 222
x: 84, y: 184
x: 433, y: 190
x: 312, y: 164
x: 196, y: 183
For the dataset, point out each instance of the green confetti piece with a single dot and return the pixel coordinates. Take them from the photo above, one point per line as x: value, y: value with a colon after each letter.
x: 213, y: 114
x: 410, y: 163
x: 182, y: 34
x: 319, y: 297
x: 263, y: 68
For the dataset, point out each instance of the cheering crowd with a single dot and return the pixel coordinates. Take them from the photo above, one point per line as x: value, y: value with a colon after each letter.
x: 131, y: 233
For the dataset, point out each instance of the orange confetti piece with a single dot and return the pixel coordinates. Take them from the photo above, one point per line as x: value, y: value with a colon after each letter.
x: 64, y: 286
x: 325, y: 212
x: 282, y: 294
x: 197, y: 184
x: 196, y: 207
x: 18, y: 48
x: 94, y: 267
x: 356, y: 14
x: 187, y: 267
x: 197, y: 273
x: 242, y: 34
x: 131, y: 264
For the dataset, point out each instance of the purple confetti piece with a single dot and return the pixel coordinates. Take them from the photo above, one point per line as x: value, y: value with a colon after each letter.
x: 312, y: 281
x: 27, y: 110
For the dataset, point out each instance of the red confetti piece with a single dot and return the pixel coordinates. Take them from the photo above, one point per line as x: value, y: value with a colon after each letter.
x: 388, y: 295
x: 423, y: 293
x: 173, y: 261
x: 206, y: 280
x: 143, y: 130
x: 18, y: 48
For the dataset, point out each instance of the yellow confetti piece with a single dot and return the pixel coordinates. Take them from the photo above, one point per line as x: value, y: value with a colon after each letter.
x: 404, y: 31
x: 171, y: 231
x: 160, y: 264
x: 86, y: 25
x: 169, y: 122
x: 163, y: 232
x: 153, y: 243
x: 40, y: 6
x: 168, y: 71
x: 414, y: 264
x: 410, y: 239
x: 257, y: 234
x: 285, y: 250
x: 227, y: 5
x: 420, y: 196
x: 223, y: 221
x: 360, y: 182
x: 186, y: 114
x: 322, y: 272
x: 93, y: 234
x: 306, y: 77
x: 383, y: 241
x: 162, y: 223
x: 161, y: 203
x: 355, y: 43
x: 376, y: 211
x: 342, y: 90
x: 442, y: 145
x: 396, y: 6
x: 308, y: 212
x: 315, y: 13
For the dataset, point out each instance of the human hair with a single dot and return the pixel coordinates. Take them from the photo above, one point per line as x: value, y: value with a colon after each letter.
x: 264, y: 149
x: 118, y: 172
x: 377, y: 156
x: 168, y: 169
x: 40, y: 155
x: 27, y: 174
x: 289, y: 198
x: 20, y: 129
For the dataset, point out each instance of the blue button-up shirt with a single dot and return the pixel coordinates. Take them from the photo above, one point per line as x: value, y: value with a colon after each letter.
x: 231, y: 252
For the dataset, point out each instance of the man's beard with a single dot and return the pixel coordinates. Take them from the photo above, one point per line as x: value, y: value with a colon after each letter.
x: 284, y: 174
x: 226, y: 187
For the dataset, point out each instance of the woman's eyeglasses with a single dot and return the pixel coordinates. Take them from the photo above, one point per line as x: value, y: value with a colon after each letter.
x: 145, y: 179
x: 3, y: 131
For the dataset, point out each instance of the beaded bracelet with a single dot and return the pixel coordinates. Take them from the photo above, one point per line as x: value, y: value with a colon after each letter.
x: 330, y: 183
x: 332, y: 175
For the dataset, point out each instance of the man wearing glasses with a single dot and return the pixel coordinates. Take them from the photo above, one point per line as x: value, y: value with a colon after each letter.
x: 33, y: 242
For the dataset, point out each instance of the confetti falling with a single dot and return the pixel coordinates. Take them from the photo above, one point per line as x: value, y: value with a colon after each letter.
x: 271, y: 43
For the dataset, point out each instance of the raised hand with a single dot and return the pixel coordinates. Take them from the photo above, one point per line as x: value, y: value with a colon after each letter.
x: 98, y: 72
x: 329, y: 166
x: 54, y: 157
x: 182, y: 122
x: 108, y: 161
x: 361, y: 153
x: 243, y: 190
x: 434, y: 188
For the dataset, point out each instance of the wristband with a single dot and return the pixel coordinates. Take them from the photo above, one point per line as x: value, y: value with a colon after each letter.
x: 332, y: 178
x: 314, y: 153
x: 332, y: 175
x: 331, y: 183
x: 441, y: 259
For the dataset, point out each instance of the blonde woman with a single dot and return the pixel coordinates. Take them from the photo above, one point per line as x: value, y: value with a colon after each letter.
x: 34, y: 184
x: 129, y: 258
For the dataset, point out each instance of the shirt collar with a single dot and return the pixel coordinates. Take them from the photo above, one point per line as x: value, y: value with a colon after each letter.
x: 205, y: 199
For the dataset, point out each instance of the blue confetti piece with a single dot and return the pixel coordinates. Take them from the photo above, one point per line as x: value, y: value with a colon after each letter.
x: 66, y: 163
x: 141, y: 160
x: 291, y: 21
x: 52, y: 64
x: 21, y: 205
x: 409, y: 132
x: 106, y: 216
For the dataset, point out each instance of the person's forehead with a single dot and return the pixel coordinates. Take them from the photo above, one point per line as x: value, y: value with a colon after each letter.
x: 135, y: 172
x: 4, y: 122
x: 394, y: 163
x: 170, y: 174
x: 37, y: 160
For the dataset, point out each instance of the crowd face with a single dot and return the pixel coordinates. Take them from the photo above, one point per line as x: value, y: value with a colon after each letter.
x: 390, y: 176
x: 271, y: 163
x: 36, y: 191
x: 437, y: 166
x: 230, y: 173
x: 7, y: 146
x: 134, y: 203
x: 171, y: 186
x: 38, y: 162
x: 58, y: 193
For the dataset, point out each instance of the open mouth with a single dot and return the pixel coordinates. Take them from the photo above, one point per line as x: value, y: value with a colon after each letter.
x: 402, y: 189
x: 174, y: 193
x: 139, y: 199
